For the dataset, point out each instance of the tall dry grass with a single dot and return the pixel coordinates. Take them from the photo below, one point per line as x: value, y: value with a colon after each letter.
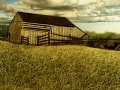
x: 67, y: 67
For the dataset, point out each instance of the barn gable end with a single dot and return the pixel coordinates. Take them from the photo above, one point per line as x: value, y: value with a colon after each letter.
x: 42, y: 29
x: 15, y: 29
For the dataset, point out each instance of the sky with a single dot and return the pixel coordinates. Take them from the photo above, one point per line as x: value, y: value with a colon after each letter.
x: 93, y: 15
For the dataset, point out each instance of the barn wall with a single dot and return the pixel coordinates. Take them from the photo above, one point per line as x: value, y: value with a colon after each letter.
x: 15, y: 29
x: 32, y: 34
x: 32, y: 30
x: 62, y: 33
x: 66, y: 31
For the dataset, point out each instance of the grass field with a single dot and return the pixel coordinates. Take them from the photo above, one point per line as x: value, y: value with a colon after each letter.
x: 66, y: 67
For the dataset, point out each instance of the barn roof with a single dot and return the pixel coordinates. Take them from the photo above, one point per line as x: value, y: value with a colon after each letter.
x: 45, y: 19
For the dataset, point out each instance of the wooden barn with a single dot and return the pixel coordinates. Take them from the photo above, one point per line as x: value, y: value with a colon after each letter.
x: 37, y: 29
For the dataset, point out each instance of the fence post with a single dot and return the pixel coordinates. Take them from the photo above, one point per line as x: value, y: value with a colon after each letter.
x: 27, y: 40
x: 37, y: 40
x: 48, y: 38
x: 21, y: 39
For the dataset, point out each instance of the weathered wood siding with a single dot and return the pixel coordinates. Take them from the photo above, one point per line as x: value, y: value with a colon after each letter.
x: 33, y: 30
x: 32, y: 34
x: 63, y: 33
x: 66, y: 31
x: 15, y: 29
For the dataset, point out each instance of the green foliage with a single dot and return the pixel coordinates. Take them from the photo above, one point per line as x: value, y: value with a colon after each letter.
x: 4, y: 31
x: 95, y: 35
x: 98, y: 36
x: 67, y: 67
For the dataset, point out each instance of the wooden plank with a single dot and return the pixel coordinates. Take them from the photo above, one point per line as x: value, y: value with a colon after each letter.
x: 39, y: 28
x: 117, y: 47
x: 24, y: 40
x: 43, y: 41
x: 36, y: 24
x: 43, y: 36
x: 33, y: 26
x: 34, y: 29
x: 60, y: 35
x: 48, y: 38
x: 69, y: 36
x: 59, y: 40
x: 83, y: 36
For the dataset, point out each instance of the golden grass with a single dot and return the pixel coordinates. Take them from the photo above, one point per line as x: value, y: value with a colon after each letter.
x: 67, y: 67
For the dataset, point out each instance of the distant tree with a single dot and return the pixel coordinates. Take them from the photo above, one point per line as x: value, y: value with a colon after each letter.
x: 4, y: 30
x: 95, y: 35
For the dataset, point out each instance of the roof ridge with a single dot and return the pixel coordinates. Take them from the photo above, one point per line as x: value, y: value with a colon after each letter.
x: 41, y: 14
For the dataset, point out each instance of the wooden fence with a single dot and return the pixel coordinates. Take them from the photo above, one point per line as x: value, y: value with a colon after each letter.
x: 113, y: 44
x: 24, y: 40
x: 3, y: 38
x: 43, y: 40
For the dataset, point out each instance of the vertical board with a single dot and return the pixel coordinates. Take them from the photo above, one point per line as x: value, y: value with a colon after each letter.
x: 32, y: 37
x: 67, y: 31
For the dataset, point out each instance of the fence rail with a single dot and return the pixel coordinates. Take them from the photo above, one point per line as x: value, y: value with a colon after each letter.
x: 24, y: 40
x: 3, y: 39
x: 44, y: 39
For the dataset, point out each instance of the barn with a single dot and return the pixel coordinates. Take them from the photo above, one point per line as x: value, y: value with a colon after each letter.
x: 37, y: 29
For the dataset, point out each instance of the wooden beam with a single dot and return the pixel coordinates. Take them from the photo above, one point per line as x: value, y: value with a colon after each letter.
x: 39, y: 28
x: 43, y: 41
x: 36, y: 24
x: 60, y: 35
x: 24, y: 40
x: 60, y: 40
x: 32, y: 26
x: 43, y: 30
x: 43, y: 36
x: 48, y: 38
x: 117, y: 47
x: 83, y: 35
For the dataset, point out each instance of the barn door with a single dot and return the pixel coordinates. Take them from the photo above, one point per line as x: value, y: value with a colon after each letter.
x: 43, y: 38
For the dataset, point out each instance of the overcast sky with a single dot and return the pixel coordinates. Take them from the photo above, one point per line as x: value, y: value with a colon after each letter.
x: 87, y: 13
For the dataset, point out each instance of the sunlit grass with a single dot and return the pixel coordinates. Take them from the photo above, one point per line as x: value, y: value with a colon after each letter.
x: 66, y: 67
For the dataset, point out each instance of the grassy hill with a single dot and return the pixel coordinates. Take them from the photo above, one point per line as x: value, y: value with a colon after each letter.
x: 67, y: 67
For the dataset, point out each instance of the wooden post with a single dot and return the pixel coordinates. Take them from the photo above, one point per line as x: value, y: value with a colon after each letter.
x: 83, y: 36
x: 27, y: 40
x: 21, y: 39
x: 37, y: 40
x: 48, y: 38
x: 117, y: 47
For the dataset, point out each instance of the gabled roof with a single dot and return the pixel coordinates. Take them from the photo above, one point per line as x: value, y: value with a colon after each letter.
x: 45, y: 19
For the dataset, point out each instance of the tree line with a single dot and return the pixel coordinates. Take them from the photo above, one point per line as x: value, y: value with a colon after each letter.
x: 95, y: 35
x: 4, y: 31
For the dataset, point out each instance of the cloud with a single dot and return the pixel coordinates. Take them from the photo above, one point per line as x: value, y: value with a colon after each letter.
x: 75, y: 10
x: 111, y: 2
x: 1, y: 1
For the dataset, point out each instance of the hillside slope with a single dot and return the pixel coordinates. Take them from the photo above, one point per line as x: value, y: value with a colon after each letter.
x: 67, y: 67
